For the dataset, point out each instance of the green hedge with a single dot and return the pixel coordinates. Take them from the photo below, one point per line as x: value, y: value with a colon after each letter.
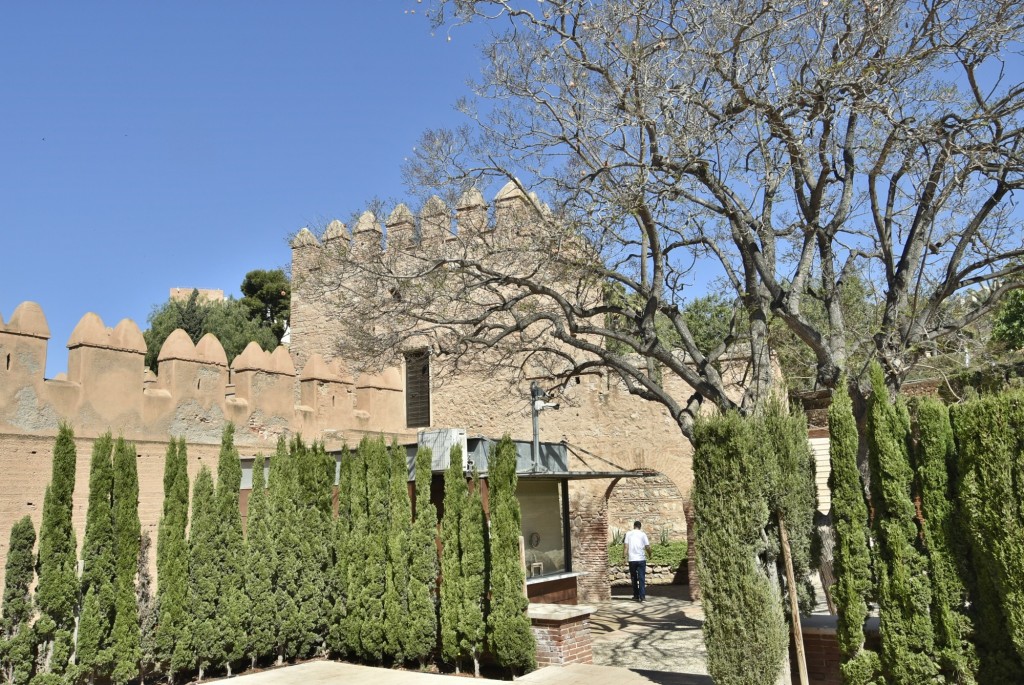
x: 670, y: 554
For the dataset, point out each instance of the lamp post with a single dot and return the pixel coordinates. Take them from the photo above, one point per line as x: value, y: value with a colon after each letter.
x: 537, y: 405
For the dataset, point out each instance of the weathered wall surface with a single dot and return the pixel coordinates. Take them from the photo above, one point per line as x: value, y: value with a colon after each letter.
x: 605, y: 428
x: 655, y: 501
x: 108, y: 388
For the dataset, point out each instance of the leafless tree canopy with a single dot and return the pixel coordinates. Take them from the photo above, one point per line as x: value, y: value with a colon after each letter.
x: 774, y: 148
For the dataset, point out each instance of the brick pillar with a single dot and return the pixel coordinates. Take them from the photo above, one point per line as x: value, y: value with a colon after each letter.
x: 589, y: 530
x: 691, y: 552
x: 562, y: 633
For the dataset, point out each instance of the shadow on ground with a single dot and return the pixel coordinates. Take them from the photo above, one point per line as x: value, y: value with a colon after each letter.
x: 659, y: 639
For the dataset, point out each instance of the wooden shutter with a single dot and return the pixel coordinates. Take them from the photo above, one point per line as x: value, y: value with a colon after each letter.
x: 417, y: 389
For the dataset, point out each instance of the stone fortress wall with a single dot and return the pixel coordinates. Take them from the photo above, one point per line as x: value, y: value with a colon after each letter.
x: 604, y: 427
x: 306, y: 389
x: 108, y: 388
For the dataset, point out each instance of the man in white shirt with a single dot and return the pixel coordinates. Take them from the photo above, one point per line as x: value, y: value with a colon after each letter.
x: 636, y: 548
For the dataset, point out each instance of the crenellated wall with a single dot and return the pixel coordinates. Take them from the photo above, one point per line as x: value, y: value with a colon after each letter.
x: 606, y: 428
x: 108, y: 388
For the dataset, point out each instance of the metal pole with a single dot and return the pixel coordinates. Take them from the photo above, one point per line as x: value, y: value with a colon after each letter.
x: 536, y: 396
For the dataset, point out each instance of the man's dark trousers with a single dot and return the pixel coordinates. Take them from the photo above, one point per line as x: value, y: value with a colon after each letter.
x: 638, y: 576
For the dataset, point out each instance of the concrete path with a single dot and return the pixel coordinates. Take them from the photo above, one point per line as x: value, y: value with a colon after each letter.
x: 336, y: 673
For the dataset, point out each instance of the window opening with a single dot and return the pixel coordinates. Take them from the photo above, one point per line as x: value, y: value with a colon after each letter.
x: 417, y: 389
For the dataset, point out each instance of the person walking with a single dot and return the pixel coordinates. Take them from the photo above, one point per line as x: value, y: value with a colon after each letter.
x: 636, y: 548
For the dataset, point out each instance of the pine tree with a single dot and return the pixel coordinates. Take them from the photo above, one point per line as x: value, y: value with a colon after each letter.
x: 259, y: 576
x: 455, y: 495
x: 396, y: 593
x: 933, y: 459
x: 232, y: 603
x: 988, y: 433
x: 904, y: 590
x: 171, y: 643
x: 57, y: 592
x: 851, y: 561
x: 509, y: 633
x: 16, y: 636
x: 473, y: 540
x: 422, y: 626
x: 745, y: 630
x: 98, y: 556
x: 202, y: 630
x: 126, y: 636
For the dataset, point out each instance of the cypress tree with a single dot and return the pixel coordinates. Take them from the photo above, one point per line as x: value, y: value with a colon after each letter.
x: 171, y: 643
x: 16, y: 637
x: 473, y: 540
x: 315, y: 471
x: 285, y: 514
x: 57, y: 591
x: 422, y: 626
x: 396, y: 593
x: 373, y: 569
x: 933, y: 458
x: 126, y: 635
x: 781, y: 438
x: 148, y: 610
x: 203, y: 569
x: 90, y: 637
x: 259, y: 572
x: 744, y: 629
x: 509, y: 633
x: 232, y: 604
x: 904, y: 590
x: 338, y: 640
x: 987, y: 433
x: 98, y: 555
x: 851, y: 557
x: 356, y: 558
x: 455, y: 494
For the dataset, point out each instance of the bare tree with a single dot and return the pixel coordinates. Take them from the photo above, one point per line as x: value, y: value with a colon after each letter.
x: 774, y: 147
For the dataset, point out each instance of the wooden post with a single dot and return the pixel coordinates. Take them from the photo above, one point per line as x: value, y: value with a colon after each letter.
x: 794, y: 605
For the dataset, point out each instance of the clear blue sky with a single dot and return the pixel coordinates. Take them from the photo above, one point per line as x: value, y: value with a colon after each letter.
x: 148, y: 145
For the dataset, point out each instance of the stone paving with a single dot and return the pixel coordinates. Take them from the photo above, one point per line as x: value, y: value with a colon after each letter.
x: 660, y: 639
x: 657, y: 642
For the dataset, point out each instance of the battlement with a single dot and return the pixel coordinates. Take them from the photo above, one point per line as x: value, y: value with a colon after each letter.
x: 514, y: 211
x: 108, y: 387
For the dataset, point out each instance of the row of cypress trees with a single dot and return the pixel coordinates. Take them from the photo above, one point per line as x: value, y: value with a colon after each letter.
x: 86, y: 626
x: 750, y: 474
x: 302, y: 582
x: 936, y: 545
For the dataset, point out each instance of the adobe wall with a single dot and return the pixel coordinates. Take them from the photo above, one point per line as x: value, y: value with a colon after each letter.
x: 605, y: 428
x: 108, y: 388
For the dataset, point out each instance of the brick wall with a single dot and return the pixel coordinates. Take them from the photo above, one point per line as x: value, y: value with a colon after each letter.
x: 563, y: 636
x: 589, y: 531
x: 26, y: 462
x: 821, y: 649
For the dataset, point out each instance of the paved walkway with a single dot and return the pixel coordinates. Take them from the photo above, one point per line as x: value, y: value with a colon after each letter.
x: 660, y: 639
x: 657, y: 642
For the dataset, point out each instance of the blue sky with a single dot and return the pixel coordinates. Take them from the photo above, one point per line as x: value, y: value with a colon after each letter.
x: 145, y: 146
